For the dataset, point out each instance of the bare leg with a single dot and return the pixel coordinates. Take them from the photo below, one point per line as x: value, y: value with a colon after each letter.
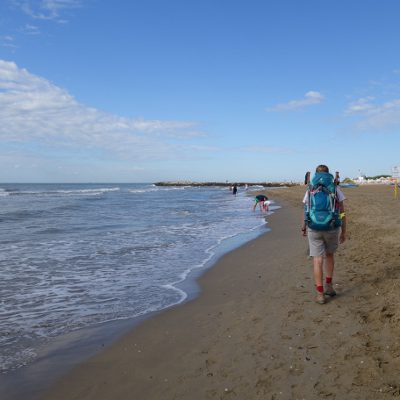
x: 329, y: 265
x: 317, y: 261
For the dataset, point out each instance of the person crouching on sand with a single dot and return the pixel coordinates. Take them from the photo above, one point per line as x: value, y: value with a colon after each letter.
x: 324, y: 239
x: 262, y: 201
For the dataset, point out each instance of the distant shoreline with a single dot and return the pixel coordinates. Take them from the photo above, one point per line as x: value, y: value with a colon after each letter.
x: 226, y: 184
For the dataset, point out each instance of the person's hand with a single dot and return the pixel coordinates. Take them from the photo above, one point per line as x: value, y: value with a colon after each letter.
x: 342, y: 237
x: 304, y: 231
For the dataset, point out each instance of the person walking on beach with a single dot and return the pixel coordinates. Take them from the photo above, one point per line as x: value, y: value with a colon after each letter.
x: 325, y: 219
x: 262, y: 201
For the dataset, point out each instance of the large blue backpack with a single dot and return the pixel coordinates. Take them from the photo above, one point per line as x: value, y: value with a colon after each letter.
x: 322, y: 206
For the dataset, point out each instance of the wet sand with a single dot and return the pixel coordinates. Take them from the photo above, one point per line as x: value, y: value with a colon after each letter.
x: 255, y: 331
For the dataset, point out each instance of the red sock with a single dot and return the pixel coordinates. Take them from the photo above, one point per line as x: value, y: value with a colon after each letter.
x: 328, y: 280
x: 320, y: 289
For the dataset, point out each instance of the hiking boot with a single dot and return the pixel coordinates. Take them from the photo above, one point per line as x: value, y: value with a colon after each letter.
x: 320, y: 299
x: 329, y: 290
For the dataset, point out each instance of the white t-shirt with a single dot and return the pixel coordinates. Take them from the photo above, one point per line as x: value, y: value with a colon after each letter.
x: 339, y: 193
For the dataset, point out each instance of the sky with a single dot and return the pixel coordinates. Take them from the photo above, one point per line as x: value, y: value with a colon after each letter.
x: 210, y: 90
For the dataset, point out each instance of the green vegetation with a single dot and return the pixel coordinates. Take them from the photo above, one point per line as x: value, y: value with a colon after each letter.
x: 348, y: 180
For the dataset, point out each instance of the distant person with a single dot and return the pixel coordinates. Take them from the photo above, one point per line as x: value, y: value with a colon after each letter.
x: 262, y: 200
x: 234, y: 189
x: 337, y: 178
x: 325, y: 219
x: 307, y: 178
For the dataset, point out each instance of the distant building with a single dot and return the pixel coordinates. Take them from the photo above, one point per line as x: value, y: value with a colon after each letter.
x: 361, y: 177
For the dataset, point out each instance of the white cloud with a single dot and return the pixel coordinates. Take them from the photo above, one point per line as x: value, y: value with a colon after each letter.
x: 31, y: 29
x: 310, y: 98
x: 360, y: 106
x: 7, y: 41
x: 33, y: 110
x: 47, y: 9
x: 373, y: 116
x: 266, y: 149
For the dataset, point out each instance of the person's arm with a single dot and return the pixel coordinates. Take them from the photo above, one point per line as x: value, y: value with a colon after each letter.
x: 304, y: 228
x: 303, y: 225
x: 342, y: 237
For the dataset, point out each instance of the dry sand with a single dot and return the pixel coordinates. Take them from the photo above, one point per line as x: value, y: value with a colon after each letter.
x: 255, y: 332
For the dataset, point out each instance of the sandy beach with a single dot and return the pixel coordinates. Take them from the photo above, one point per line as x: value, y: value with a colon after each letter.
x: 255, y: 331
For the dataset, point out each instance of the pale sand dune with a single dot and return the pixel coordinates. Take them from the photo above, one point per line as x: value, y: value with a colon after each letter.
x: 255, y: 332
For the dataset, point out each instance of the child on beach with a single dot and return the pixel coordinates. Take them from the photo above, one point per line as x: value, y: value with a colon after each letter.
x: 324, y: 243
x: 262, y: 201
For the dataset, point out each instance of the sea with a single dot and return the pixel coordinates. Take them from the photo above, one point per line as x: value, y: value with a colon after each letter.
x: 77, y: 255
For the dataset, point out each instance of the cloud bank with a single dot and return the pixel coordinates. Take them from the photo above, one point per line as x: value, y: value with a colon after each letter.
x: 310, y: 98
x: 33, y: 110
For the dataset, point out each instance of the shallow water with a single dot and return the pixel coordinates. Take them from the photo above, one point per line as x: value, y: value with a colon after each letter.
x: 75, y: 255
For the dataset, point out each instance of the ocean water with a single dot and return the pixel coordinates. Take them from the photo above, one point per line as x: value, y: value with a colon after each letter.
x: 76, y: 255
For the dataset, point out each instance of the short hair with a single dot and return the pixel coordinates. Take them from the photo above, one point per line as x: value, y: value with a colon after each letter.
x: 322, y: 168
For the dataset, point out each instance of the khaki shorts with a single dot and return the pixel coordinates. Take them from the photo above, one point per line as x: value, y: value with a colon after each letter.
x: 322, y: 242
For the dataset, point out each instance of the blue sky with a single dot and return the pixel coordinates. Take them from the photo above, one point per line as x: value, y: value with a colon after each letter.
x: 142, y: 91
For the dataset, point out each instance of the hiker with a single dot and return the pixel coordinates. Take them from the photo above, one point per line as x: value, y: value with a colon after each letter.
x: 262, y: 201
x: 325, y: 220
